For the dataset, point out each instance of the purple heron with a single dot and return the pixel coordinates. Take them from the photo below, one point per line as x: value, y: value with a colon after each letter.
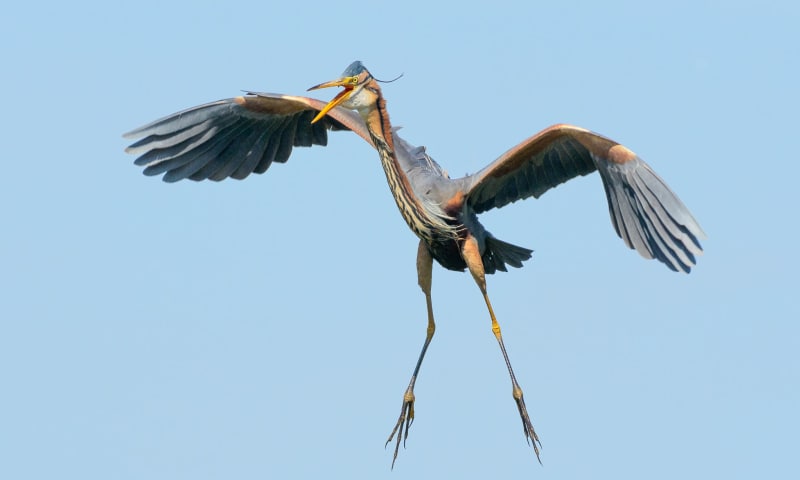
x: 248, y: 133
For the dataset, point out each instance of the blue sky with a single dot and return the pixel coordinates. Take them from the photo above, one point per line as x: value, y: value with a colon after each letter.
x: 267, y: 328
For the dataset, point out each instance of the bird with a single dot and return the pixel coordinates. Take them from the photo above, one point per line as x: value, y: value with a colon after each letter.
x: 235, y: 137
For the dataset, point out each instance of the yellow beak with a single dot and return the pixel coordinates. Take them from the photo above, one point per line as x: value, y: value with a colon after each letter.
x: 347, y: 82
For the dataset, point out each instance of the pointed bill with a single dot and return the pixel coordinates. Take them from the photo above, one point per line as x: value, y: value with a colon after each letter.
x: 346, y: 82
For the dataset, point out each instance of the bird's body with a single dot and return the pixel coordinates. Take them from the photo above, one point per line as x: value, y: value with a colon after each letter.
x: 246, y: 134
x: 440, y: 220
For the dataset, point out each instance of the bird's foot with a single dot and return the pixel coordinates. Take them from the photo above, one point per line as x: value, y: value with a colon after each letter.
x: 527, y: 426
x: 403, y: 423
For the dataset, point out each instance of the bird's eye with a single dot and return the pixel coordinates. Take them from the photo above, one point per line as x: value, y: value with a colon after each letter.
x: 352, y: 81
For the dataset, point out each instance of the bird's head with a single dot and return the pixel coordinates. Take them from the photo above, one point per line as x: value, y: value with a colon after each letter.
x: 361, y: 91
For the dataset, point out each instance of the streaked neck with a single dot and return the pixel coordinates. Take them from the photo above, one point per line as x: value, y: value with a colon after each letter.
x: 379, y: 126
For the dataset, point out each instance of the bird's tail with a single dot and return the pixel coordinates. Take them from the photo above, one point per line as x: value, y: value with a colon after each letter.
x: 498, y: 254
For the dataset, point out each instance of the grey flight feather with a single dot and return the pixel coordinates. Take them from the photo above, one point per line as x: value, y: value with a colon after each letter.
x: 235, y: 137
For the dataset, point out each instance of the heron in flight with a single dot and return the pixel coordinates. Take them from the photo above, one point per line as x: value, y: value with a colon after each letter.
x: 246, y: 134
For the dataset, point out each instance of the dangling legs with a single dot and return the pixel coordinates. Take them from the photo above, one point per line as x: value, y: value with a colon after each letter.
x: 472, y: 256
x: 424, y: 272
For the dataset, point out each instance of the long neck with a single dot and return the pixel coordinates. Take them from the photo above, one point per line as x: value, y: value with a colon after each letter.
x: 380, y: 128
x: 414, y: 213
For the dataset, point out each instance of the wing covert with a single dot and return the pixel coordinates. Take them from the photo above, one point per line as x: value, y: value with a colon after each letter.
x: 529, y: 169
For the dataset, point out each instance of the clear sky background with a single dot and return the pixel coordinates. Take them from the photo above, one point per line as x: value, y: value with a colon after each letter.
x: 268, y: 328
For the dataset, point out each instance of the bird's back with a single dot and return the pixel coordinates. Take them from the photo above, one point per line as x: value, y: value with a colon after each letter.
x: 428, y: 179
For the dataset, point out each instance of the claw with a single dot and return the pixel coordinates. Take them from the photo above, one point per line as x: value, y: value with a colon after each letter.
x: 403, y: 423
x: 527, y: 426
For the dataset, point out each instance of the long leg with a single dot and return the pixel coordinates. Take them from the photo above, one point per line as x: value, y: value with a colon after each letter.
x: 424, y: 272
x: 472, y: 256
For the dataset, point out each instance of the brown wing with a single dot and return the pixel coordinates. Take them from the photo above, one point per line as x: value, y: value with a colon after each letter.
x: 235, y: 137
x: 646, y: 214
